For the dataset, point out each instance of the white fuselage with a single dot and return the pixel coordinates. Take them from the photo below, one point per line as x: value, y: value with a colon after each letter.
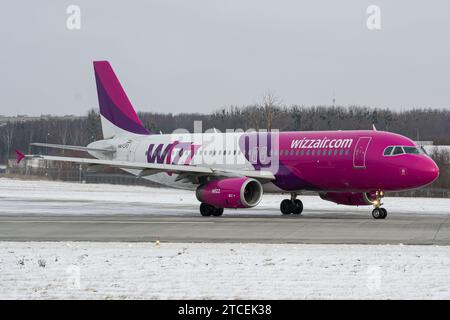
x: 217, y: 150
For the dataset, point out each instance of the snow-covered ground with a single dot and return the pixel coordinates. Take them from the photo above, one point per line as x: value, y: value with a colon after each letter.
x: 30, y: 197
x: 81, y: 270
x: 207, y: 271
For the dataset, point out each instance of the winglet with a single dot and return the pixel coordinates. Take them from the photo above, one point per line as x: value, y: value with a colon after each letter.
x: 20, y: 156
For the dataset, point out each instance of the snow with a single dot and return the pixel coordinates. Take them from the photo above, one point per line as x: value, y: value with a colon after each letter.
x: 81, y: 270
x: 42, y: 197
x: 84, y: 270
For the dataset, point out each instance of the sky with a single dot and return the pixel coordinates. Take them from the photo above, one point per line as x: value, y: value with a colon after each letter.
x: 201, y: 55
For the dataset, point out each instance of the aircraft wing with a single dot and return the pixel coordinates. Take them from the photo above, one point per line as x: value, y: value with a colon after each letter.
x: 67, y: 147
x: 152, y: 168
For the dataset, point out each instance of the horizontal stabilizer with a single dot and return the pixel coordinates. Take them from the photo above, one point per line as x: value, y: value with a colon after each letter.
x: 20, y: 156
x: 67, y: 147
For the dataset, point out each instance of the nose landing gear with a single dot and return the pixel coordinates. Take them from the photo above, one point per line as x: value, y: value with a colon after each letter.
x: 378, y: 212
x: 207, y: 210
x: 293, y: 205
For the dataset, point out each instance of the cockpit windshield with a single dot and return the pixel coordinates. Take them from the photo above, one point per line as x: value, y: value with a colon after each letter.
x: 411, y: 150
x: 396, y: 150
x: 423, y: 150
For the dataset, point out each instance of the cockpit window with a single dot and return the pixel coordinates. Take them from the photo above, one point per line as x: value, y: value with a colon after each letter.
x: 423, y: 150
x: 411, y: 150
x: 387, y: 151
x: 397, y: 150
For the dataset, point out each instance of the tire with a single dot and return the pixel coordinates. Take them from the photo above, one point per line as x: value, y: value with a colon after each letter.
x: 384, y: 213
x: 206, y: 210
x: 217, y: 212
x: 298, y: 206
x: 377, y: 213
x: 286, y: 206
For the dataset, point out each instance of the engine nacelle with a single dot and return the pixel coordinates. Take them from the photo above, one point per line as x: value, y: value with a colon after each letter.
x: 231, y: 192
x: 350, y: 198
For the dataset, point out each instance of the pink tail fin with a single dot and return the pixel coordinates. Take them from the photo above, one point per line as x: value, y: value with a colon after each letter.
x: 114, y: 104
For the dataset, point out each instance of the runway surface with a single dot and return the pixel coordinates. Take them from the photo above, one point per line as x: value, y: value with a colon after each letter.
x: 182, y: 223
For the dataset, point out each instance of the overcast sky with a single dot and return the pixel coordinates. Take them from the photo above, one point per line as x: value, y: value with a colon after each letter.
x: 200, y: 55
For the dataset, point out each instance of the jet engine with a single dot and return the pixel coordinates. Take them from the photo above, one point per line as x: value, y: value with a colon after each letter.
x: 231, y: 192
x: 350, y: 198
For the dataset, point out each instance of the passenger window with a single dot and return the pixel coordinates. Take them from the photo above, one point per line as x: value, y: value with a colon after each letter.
x: 318, y: 152
x: 330, y: 152
x: 398, y: 150
x: 313, y: 152
x: 307, y: 153
x: 292, y: 152
x: 346, y: 152
x: 341, y: 152
x: 296, y: 152
x: 387, y: 151
x: 302, y: 152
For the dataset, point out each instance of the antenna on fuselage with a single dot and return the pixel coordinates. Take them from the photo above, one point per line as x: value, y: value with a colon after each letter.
x: 373, y: 127
x: 160, y: 132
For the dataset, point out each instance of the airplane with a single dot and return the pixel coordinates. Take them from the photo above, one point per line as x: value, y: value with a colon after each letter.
x: 234, y: 169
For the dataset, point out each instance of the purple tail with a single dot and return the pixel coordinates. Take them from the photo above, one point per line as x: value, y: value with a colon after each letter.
x: 118, y: 115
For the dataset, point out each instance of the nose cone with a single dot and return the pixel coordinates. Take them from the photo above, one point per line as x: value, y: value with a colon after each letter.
x: 428, y: 171
x: 432, y: 171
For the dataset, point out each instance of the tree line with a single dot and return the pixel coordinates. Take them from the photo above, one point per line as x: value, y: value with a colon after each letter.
x: 417, y: 124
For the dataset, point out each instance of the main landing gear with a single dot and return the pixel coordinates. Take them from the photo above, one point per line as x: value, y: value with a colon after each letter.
x: 378, y: 212
x: 207, y: 210
x: 293, y: 205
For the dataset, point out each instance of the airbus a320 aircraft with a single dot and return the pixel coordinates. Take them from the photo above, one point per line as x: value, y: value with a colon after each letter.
x: 234, y: 169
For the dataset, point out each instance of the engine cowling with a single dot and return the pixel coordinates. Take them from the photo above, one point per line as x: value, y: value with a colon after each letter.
x: 350, y: 198
x: 231, y: 192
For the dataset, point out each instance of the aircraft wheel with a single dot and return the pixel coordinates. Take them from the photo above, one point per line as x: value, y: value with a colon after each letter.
x: 384, y: 213
x: 206, y: 210
x: 217, y: 212
x: 286, y: 206
x: 298, y: 206
x: 377, y: 213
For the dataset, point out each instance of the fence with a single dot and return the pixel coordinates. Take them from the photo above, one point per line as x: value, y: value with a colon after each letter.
x: 81, y: 176
x: 119, y: 177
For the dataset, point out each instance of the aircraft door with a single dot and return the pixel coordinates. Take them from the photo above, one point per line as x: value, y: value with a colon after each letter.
x: 132, y: 151
x: 359, y: 155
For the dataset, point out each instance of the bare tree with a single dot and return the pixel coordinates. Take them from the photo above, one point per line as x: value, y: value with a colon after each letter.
x: 7, y: 136
x: 269, y: 106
